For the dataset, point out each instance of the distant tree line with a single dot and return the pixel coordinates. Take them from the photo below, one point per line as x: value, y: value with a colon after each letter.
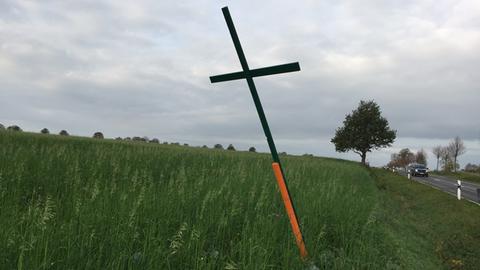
x: 99, y: 135
x: 405, y: 157
x: 472, y: 168
x: 10, y: 128
x: 446, y: 156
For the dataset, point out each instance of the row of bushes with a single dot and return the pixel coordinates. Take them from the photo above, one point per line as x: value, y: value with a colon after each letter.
x: 63, y: 132
x: 99, y: 135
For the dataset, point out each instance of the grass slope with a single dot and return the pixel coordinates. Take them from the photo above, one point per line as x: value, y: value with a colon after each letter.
x: 77, y: 203
x: 429, y: 228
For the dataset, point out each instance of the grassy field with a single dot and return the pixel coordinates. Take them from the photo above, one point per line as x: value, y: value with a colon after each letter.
x: 79, y: 203
x: 464, y: 176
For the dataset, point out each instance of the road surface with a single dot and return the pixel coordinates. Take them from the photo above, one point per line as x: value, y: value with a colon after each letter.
x: 449, y: 185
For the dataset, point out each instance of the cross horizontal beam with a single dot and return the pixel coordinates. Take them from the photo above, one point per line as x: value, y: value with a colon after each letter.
x: 290, y: 67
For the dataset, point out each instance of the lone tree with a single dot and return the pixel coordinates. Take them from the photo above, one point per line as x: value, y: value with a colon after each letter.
x: 456, y: 148
x: 363, y: 131
x: 45, y: 131
x: 154, y: 140
x: 230, y: 147
x: 437, y: 151
x: 218, y: 146
x: 252, y: 149
x: 63, y: 133
x: 98, y: 135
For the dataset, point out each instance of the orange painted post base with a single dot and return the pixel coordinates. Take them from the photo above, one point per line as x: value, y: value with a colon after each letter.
x: 290, y: 211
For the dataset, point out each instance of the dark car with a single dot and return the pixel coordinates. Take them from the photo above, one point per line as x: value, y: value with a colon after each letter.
x: 418, y: 170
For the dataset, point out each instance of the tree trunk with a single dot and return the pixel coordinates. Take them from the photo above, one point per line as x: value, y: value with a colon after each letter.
x: 437, y: 163
x: 364, y: 156
x: 455, y: 164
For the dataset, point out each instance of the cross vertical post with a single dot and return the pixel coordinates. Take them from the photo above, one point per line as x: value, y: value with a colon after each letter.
x: 248, y: 74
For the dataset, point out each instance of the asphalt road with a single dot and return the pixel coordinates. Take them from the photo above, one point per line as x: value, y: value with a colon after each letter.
x: 449, y: 185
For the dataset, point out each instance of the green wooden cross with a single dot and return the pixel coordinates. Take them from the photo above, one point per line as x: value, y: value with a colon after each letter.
x: 248, y: 74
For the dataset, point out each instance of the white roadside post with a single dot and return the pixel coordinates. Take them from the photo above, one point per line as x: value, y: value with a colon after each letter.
x: 459, y: 189
x: 409, y: 176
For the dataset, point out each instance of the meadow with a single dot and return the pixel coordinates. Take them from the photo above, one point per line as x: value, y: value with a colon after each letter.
x: 79, y: 203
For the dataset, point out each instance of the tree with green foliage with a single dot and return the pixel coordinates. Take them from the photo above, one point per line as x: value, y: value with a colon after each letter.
x: 98, y: 135
x: 230, y: 147
x: 63, y: 133
x: 45, y: 131
x: 218, y: 146
x: 364, y: 130
x: 252, y: 149
x: 14, y: 128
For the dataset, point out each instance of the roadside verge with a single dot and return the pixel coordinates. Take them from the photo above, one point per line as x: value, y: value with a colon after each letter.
x: 429, y: 228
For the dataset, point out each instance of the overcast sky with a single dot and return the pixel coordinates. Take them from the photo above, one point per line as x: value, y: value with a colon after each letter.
x: 141, y: 69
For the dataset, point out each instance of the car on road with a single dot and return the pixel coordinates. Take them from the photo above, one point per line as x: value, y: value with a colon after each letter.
x: 416, y: 169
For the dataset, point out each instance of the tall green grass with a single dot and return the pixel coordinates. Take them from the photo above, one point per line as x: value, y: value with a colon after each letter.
x: 76, y: 203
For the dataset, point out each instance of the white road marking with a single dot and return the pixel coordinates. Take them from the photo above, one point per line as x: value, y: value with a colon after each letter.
x: 446, y: 191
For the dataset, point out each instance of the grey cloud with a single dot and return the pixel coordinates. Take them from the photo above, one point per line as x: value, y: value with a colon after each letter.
x: 142, y: 69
